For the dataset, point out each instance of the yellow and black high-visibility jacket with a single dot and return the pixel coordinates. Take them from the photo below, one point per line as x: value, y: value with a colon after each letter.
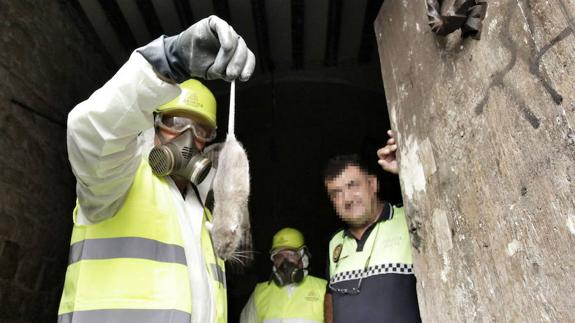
x: 371, y: 279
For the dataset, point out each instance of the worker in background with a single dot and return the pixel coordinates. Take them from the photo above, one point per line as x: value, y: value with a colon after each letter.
x: 140, y: 250
x: 291, y: 295
x: 371, y: 277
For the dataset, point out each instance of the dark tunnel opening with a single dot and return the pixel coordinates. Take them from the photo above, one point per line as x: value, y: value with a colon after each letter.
x: 290, y: 129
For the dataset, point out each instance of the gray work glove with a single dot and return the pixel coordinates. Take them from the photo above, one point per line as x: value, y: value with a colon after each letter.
x: 210, y: 49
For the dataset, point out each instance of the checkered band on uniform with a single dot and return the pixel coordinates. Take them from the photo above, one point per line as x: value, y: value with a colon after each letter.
x: 397, y: 268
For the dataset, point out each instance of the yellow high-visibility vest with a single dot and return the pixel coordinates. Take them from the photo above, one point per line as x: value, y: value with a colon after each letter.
x: 132, y: 267
x: 274, y: 304
x: 388, y: 245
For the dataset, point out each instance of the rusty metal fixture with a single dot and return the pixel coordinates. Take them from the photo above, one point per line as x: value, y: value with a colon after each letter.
x: 446, y: 16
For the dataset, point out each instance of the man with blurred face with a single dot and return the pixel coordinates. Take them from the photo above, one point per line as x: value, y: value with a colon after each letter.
x: 370, y: 267
x: 352, y: 194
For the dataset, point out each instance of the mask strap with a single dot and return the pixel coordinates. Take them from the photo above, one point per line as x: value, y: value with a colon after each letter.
x: 156, y: 127
x: 304, y: 255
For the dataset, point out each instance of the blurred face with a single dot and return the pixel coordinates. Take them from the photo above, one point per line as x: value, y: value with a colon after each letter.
x: 354, y: 196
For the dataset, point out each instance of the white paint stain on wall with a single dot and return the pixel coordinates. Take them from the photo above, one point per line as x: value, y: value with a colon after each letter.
x: 402, y: 93
x: 442, y: 231
x: 492, y: 26
x: 446, y: 268
x: 513, y: 247
x: 442, y: 235
x: 413, y: 177
x: 427, y: 158
x: 571, y: 223
x: 393, y: 115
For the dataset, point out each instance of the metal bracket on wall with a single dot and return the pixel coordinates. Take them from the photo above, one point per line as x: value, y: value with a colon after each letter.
x: 446, y: 16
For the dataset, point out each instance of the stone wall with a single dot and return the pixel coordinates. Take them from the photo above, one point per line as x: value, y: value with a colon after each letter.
x: 487, y: 150
x: 46, y: 67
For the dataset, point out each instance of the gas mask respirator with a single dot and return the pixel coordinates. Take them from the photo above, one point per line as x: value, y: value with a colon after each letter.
x: 290, y: 273
x: 287, y: 273
x: 181, y: 158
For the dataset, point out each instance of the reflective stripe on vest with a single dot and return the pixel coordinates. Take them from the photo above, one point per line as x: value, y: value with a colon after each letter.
x: 273, y: 304
x: 218, y: 274
x: 124, y: 315
x: 390, y: 254
x: 132, y: 266
x: 126, y: 248
x: 289, y: 321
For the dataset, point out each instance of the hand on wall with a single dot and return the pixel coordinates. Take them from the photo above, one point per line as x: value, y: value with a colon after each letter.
x: 387, y: 159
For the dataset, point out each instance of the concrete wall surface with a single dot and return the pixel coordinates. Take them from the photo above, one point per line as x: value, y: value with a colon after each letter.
x: 46, y: 67
x: 487, y: 153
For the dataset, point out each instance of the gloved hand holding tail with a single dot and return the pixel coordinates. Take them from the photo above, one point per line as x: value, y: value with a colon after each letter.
x: 210, y: 49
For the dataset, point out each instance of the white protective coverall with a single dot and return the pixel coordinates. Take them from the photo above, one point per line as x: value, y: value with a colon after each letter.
x: 108, y: 135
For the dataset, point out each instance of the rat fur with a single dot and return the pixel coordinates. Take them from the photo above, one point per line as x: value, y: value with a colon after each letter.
x: 231, y: 230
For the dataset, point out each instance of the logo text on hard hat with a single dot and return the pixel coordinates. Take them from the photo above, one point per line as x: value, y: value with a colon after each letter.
x: 192, y: 99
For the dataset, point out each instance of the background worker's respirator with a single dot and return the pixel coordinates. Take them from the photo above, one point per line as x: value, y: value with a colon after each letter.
x: 290, y: 273
x: 180, y: 157
x: 287, y: 273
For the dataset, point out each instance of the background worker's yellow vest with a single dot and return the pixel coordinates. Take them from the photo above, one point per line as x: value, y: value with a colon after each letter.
x: 304, y: 305
x: 132, y: 267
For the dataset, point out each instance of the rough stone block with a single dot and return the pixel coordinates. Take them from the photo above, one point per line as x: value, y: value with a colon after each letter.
x: 486, y: 147
x: 9, y: 259
x: 40, y: 85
